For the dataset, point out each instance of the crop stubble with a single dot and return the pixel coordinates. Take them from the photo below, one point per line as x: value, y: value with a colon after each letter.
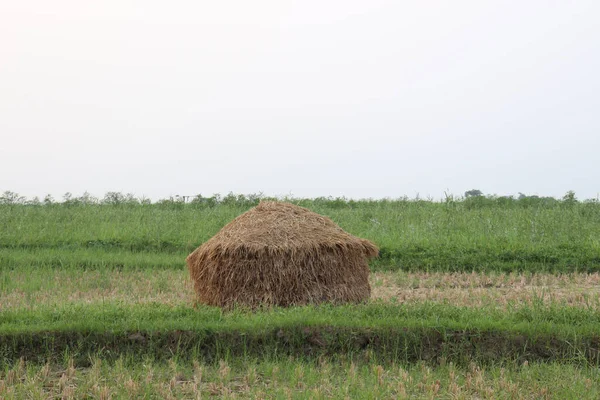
x: 31, y: 289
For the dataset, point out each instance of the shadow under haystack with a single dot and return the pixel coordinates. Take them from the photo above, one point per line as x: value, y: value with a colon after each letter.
x: 281, y: 254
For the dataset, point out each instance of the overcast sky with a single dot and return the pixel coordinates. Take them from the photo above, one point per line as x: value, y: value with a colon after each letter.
x: 304, y: 98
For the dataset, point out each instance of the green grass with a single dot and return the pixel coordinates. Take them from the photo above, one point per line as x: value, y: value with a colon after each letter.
x: 474, y: 234
x: 404, y: 333
x: 115, y: 317
x: 88, y: 259
x: 296, y: 379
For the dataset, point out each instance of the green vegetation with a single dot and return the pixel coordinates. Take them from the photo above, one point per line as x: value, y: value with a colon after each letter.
x: 296, y: 379
x: 397, y: 333
x: 482, y: 297
x: 477, y: 233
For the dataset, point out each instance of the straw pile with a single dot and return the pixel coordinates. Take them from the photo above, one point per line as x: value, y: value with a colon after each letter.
x: 281, y: 254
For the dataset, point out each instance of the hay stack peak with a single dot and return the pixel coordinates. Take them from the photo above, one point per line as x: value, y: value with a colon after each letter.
x: 281, y: 254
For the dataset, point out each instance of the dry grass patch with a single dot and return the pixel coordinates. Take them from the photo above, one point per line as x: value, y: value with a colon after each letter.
x: 479, y: 289
x: 32, y: 289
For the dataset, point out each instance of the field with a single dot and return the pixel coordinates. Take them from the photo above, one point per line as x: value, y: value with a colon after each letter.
x: 478, y: 297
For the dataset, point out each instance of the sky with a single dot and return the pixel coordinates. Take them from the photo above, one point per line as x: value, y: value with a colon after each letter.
x: 362, y: 99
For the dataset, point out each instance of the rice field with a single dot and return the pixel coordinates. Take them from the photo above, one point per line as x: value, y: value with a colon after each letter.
x: 471, y: 298
x: 295, y: 379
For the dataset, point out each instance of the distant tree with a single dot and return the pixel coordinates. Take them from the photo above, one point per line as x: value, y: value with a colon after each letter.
x: 9, y: 197
x: 145, y: 200
x: 86, y: 198
x: 113, y: 198
x: 130, y: 199
x: 473, y: 193
x: 569, y: 197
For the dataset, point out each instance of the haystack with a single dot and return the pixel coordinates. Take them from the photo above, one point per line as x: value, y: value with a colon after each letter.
x: 281, y: 254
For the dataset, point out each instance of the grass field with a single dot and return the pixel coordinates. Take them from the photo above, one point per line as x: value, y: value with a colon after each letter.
x: 296, y: 379
x: 477, y: 298
x: 475, y: 234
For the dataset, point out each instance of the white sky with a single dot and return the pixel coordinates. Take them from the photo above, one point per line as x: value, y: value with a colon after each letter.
x: 310, y: 98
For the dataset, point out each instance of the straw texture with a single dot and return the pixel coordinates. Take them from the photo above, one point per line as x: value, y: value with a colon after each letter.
x: 281, y: 254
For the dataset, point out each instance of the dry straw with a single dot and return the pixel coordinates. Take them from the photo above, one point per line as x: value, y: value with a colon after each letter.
x: 281, y: 254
